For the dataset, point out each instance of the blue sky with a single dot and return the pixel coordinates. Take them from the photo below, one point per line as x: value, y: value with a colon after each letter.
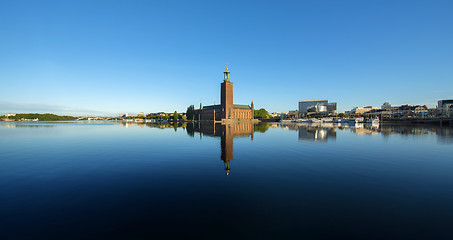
x: 111, y: 57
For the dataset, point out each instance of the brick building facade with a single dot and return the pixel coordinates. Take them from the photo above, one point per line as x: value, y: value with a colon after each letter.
x: 226, y: 109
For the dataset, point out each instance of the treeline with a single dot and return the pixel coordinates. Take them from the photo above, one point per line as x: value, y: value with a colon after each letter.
x: 41, y: 117
x: 261, y: 113
x: 175, y: 117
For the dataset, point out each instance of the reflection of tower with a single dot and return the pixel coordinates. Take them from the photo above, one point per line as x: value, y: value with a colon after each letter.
x: 226, y: 132
x: 227, y: 146
x: 226, y: 96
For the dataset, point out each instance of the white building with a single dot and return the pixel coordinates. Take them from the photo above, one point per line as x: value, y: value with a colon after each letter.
x: 317, y: 106
x: 360, y: 110
x: 128, y: 115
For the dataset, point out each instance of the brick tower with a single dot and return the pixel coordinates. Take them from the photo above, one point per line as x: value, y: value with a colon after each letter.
x: 226, y: 96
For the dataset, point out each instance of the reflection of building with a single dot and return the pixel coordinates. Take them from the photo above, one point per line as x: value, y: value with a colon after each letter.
x: 226, y: 132
x: 366, y: 129
x: 404, y: 130
x: 445, y: 135
x: 226, y: 109
x: 312, y: 133
x: 317, y: 106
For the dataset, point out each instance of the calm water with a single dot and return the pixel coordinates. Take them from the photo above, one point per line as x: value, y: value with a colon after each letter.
x: 111, y: 180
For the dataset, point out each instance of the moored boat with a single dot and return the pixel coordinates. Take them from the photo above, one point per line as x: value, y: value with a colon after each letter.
x: 356, y: 120
x: 373, y: 121
x: 328, y: 120
x: 302, y: 120
x: 315, y: 120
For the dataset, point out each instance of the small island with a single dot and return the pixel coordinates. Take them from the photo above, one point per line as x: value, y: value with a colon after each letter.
x: 35, y: 117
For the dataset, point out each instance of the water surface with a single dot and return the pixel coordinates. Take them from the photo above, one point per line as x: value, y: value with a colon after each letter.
x: 90, y: 180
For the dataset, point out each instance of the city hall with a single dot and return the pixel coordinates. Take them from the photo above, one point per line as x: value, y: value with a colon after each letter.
x: 226, y: 111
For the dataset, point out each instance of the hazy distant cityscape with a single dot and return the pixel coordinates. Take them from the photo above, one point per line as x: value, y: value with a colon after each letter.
x: 307, y: 108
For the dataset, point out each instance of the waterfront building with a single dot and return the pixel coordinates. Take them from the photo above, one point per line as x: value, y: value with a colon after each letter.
x: 444, y: 103
x: 360, y: 110
x: 128, y: 115
x: 284, y: 115
x: 274, y: 114
x: 385, y: 106
x: 409, y: 110
x: 405, y: 111
x: 226, y: 110
x: 293, y: 114
x: 317, y: 106
x: 445, y: 107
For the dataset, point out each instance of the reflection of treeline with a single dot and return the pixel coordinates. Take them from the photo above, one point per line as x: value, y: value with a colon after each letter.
x: 165, y: 125
x: 41, y: 117
x: 13, y: 125
x: 33, y: 126
x: 262, y: 127
x: 190, y: 129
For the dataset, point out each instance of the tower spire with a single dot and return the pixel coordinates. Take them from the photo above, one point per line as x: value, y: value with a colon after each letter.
x: 226, y: 74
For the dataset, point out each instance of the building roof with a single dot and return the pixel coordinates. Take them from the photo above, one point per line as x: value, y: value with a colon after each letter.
x: 320, y: 100
x: 212, y: 107
x: 408, y: 107
x: 449, y: 101
x: 239, y: 106
x: 235, y: 106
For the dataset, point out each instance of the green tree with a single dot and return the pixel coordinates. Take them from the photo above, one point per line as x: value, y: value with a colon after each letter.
x: 42, y: 117
x: 261, y: 113
x: 190, y: 112
x: 341, y: 115
x: 175, y: 116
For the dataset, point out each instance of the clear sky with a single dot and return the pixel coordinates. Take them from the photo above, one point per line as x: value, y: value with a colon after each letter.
x: 110, y: 57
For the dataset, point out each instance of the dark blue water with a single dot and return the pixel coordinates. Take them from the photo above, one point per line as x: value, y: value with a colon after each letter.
x: 204, y: 181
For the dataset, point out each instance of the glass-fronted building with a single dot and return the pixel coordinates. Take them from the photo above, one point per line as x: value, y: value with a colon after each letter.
x: 317, y: 106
